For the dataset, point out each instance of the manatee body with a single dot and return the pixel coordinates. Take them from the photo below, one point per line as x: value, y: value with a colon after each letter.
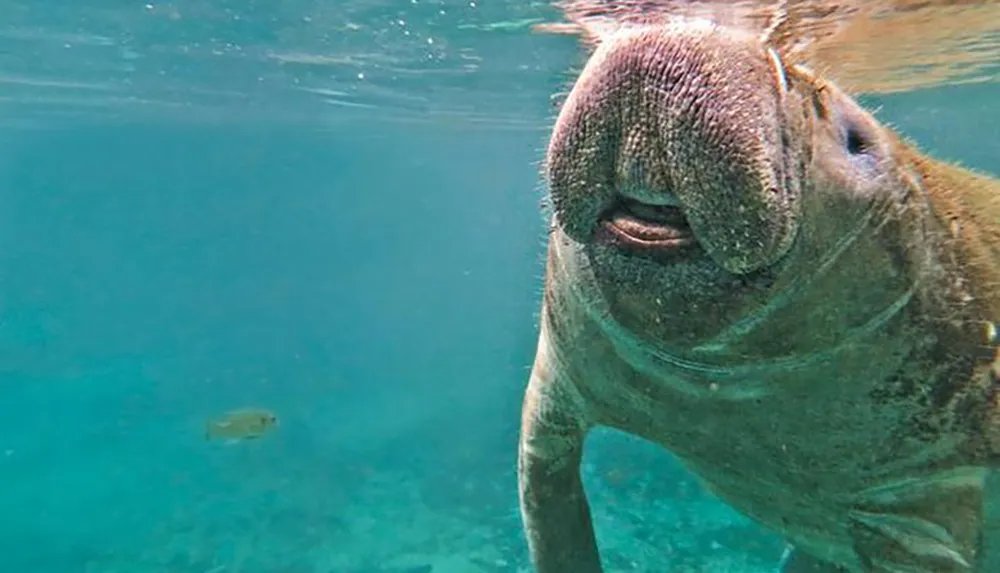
x: 748, y: 269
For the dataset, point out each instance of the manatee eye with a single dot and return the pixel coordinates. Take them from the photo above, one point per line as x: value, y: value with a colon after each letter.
x: 856, y: 143
x: 859, y: 143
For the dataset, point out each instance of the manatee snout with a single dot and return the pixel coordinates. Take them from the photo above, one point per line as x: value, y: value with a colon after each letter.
x: 679, y: 139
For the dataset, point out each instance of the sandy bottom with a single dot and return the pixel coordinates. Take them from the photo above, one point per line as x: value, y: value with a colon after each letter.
x: 433, y: 516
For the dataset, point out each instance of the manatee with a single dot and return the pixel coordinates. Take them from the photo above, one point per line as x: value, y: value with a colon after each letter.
x: 748, y: 269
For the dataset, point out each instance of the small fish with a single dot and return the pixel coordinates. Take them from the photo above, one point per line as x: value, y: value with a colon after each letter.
x: 237, y: 425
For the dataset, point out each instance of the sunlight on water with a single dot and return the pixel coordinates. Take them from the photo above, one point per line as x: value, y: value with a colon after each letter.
x: 869, y: 46
x: 302, y: 61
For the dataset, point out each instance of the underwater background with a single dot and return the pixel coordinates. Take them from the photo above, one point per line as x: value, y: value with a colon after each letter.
x: 330, y: 210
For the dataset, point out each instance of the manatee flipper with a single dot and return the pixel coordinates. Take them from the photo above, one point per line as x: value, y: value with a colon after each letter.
x: 932, y: 523
x: 796, y: 561
x: 554, y: 507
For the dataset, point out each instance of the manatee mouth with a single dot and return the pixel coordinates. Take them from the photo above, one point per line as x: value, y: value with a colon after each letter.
x: 698, y: 124
x: 643, y: 227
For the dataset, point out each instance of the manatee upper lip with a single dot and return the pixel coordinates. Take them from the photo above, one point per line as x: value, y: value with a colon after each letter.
x: 647, y: 225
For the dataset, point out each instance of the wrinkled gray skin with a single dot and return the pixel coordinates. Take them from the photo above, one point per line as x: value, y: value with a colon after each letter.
x: 811, y: 361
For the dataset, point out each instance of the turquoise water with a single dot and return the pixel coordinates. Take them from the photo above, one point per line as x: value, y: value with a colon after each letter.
x: 329, y: 210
